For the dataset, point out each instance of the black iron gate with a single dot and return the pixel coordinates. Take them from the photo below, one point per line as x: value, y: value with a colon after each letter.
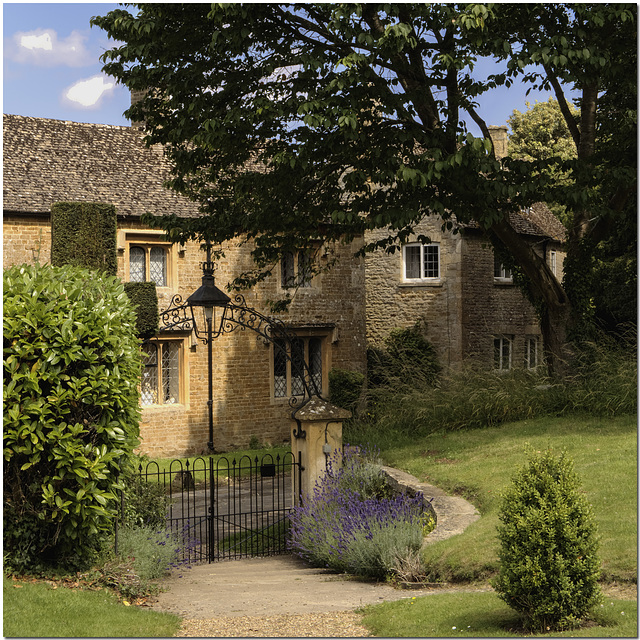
x: 228, y: 508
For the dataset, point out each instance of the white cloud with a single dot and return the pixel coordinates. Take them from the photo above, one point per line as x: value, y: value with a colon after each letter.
x: 87, y: 93
x: 43, y: 48
x: 37, y: 42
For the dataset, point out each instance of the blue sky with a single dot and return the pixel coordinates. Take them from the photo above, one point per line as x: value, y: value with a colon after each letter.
x: 52, y: 68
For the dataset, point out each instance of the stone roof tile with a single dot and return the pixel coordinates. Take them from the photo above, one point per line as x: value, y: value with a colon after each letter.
x: 47, y: 161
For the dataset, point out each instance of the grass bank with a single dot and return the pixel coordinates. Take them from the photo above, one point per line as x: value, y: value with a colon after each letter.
x: 38, y: 610
x: 478, y: 464
x: 484, y: 615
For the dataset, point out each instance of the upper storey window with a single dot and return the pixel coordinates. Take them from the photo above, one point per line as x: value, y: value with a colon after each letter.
x: 148, y: 263
x: 421, y: 262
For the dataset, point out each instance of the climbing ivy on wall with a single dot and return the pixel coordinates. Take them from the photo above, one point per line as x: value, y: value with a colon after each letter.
x: 144, y: 298
x: 84, y: 234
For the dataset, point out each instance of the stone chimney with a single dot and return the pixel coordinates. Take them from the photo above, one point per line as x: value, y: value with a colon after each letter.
x: 500, y: 141
x: 136, y: 96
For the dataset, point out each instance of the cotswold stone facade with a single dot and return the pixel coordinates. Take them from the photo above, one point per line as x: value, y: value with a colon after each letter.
x: 47, y: 161
x: 468, y: 306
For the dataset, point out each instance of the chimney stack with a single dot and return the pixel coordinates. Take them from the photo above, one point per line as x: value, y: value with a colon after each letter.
x: 500, y: 141
x: 136, y: 96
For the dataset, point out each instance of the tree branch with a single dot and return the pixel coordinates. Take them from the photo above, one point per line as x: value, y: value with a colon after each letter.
x: 564, y: 107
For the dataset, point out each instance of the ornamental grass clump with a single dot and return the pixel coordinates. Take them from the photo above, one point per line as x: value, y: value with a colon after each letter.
x: 353, y: 523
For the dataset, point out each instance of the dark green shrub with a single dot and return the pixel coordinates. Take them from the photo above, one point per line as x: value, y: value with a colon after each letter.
x: 549, y: 566
x: 71, y: 410
x: 144, y: 297
x: 345, y: 388
x: 145, y: 503
x: 407, y: 357
x: 84, y: 234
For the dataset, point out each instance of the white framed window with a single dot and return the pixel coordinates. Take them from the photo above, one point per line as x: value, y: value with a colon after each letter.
x: 553, y: 261
x: 288, y: 370
x: 148, y: 263
x: 502, y: 352
x: 295, y: 269
x: 420, y: 262
x: 531, y: 352
x: 161, y: 372
x: 500, y: 272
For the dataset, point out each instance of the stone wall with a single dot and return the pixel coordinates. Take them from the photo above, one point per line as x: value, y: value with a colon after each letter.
x: 244, y: 405
x: 490, y: 307
x: 392, y: 303
x: 26, y: 240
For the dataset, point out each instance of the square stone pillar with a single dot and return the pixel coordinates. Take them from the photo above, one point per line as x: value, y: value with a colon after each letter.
x: 316, y: 435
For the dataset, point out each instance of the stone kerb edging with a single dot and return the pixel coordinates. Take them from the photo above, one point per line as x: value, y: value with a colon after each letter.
x: 452, y: 514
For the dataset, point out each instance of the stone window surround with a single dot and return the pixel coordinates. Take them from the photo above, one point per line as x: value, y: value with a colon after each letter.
x: 326, y: 338
x: 147, y: 239
x: 422, y: 281
x: 183, y: 341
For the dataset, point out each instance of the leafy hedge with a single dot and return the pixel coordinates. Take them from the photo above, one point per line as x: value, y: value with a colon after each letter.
x: 71, y: 410
x: 144, y: 297
x: 84, y: 234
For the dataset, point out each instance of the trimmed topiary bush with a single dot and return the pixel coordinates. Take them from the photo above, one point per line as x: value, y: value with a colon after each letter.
x: 71, y: 411
x: 144, y: 297
x: 549, y: 566
x: 84, y: 234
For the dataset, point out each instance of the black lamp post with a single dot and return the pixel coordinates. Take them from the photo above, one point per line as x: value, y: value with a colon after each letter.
x: 210, y: 298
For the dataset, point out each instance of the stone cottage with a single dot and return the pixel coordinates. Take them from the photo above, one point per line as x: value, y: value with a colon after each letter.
x: 48, y: 161
x: 465, y: 299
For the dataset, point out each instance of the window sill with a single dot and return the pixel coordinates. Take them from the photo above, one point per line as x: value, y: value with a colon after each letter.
x: 503, y: 282
x: 421, y: 283
x: 154, y: 407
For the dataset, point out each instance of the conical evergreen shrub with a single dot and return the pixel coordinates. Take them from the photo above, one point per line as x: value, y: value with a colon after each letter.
x: 549, y: 566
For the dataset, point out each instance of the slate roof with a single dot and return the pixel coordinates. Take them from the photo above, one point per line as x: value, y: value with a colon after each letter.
x: 47, y: 161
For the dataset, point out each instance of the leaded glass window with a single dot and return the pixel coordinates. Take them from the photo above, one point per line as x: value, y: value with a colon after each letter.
x: 288, y: 270
x: 137, y: 265
x: 149, y: 386
x: 280, y: 367
x: 295, y: 361
x: 297, y: 367
x: 149, y: 263
x: 158, y: 266
x: 161, y: 374
x: 315, y: 361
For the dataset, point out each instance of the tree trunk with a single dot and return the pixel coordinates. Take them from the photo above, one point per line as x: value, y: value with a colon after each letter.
x: 554, y: 320
x: 548, y: 296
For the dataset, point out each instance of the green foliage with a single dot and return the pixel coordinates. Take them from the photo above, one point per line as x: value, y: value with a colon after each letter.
x: 84, y: 234
x: 367, y: 105
x: 153, y: 553
x: 71, y: 410
x: 345, y: 388
x: 541, y: 133
x: 145, y: 503
x: 407, y: 357
x: 144, y: 298
x: 354, y: 522
x: 603, y: 382
x: 549, y: 565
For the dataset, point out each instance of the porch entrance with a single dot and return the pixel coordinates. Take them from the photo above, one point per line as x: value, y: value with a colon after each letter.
x: 229, y: 508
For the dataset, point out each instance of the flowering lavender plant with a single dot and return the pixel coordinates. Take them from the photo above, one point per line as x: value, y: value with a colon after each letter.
x: 354, y: 523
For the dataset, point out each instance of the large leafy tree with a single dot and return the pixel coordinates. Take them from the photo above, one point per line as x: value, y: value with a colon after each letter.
x: 541, y: 132
x: 293, y: 124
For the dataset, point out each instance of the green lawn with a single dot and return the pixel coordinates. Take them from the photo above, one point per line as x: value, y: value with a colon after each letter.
x: 479, y: 464
x: 36, y: 610
x: 483, y: 615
